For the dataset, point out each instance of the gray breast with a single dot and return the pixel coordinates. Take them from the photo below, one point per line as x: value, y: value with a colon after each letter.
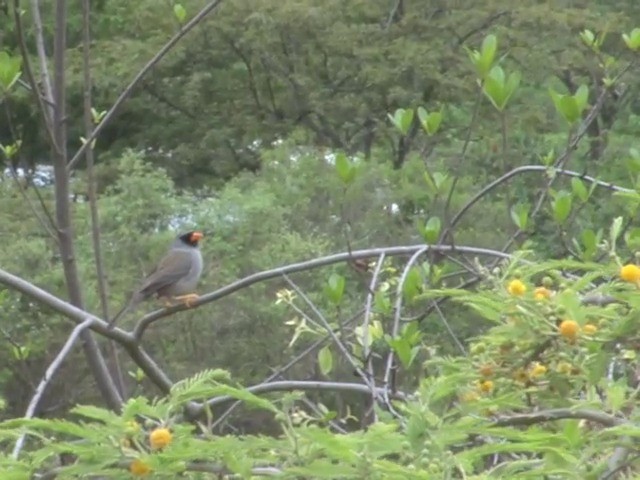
x: 189, y: 282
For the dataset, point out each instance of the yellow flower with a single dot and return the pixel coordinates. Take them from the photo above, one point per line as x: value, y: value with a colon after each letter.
x: 485, y: 386
x: 630, y: 273
x: 589, y: 329
x: 521, y: 376
x: 537, y: 370
x: 139, y: 468
x: 160, y: 438
x: 516, y: 288
x: 569, y: 329
x: 541, y: 293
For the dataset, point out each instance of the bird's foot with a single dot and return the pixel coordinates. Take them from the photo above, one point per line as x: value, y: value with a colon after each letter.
x: 166, y: 302
x: 188, y: 299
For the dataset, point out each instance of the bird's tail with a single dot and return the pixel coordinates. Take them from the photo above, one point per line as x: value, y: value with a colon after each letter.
x: 122, y: 311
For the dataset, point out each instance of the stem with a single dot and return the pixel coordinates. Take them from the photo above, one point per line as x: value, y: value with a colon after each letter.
x: 92, y: 186
x: 63, y: 210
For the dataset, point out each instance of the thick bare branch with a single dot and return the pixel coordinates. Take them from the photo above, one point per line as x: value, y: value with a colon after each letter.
x: 138, y: 355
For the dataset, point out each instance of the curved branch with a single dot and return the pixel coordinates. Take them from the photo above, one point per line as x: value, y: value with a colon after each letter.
x: 129, y: 89
x: 558, y: 414
x: 193, y: 410
x: 152, y: 317
x: 138, y: 355
x: 526, y: 169
x: 48, y: 375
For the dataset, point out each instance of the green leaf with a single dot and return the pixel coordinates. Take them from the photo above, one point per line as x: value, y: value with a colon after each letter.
x: 334, y: 288
x: 582, y: 97
x: 616, y: 228
x: 588, y: 37
x: 483, y: 60
x: 431, y: 230
x: 9, y: 70
x: 346, y: 170
x: 616, y: 396
x: 569, y: 106
x: 402, y: 119
x: 402, y: 349
x: 632, y: 238
x: 430, y: 121
x: 520, y: 215
x: 179, y: 12
x: 382, y: 302
x: 632, y: 40
x: 590, y: 243
x: 579, y: 190
x: 412, y: 284
x: 499, y: 88
x: 325, y: 360
x: 561, y: 206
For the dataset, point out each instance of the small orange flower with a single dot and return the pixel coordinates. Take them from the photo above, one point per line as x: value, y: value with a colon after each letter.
x: 160, y: 438
x: 139, y: 468
x: 485, y: 386
x: 516, y: 288
x: 569, y: 329
x: 589, y: 329
x: 541, y: 293
x: 630, y: 273
x: 486, y: 370
x: 537, y: 370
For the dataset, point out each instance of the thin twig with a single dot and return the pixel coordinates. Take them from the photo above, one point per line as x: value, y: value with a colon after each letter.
x: 92, y: 187
x: 278, y: 373
x: 334, y: 337
x: 366, y: 323
x: 396, y: 320
x: 139, y: 76
x: 45, y: 111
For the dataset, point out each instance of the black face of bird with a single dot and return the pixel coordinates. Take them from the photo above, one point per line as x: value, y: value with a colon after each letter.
x: 191, y: 238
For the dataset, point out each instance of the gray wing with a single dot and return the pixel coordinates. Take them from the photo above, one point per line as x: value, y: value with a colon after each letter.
x: 173, y: 267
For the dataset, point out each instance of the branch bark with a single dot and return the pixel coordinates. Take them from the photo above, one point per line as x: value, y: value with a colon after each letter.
x: 63, y: 210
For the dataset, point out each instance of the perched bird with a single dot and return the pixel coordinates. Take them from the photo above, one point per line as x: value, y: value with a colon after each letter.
x: 175, y: 277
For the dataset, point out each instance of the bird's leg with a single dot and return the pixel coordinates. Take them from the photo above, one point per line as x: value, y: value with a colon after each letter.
x: 166, y: 302
x: 188, y: 299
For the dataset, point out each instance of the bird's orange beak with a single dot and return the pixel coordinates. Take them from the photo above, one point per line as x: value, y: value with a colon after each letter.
x: 196, y: 236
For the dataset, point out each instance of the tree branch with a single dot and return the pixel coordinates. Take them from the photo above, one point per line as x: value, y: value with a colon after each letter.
x: 194, y: 410
x: 558, y: 414
x: 152, y: 317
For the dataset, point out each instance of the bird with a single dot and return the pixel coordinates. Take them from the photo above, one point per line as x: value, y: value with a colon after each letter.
x: 176, y: 276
